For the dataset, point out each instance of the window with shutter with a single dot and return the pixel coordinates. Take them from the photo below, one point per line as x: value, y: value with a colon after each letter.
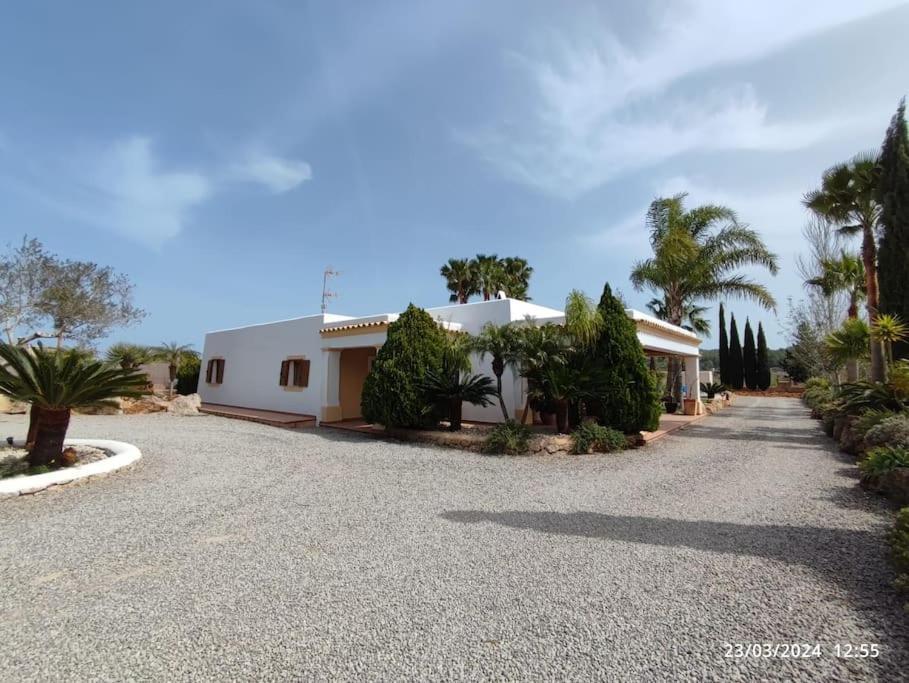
x: 301, y: 372
x: 208, y: 370
x: 285, y: 372
x: 219, y: 371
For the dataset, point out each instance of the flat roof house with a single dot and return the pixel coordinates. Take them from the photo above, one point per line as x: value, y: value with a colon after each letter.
x: 316, y: 365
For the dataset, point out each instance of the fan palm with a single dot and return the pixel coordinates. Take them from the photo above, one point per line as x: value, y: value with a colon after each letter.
x: 173, y: 354
x: 55, y: 383
x: 697, y: 255
x: 460, y: 278
x: 850, y: 342
x: 490, y: 276
x: 692, y: 316
x: 516, y: 275
x: 538, y: 347
x: 449, y: 388
x: 500, y: 342
x: 128, y: 356
x: 847, y: 198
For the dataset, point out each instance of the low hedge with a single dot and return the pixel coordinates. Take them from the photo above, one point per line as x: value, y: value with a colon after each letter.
x: 508, y: 438
x: 590, y: 436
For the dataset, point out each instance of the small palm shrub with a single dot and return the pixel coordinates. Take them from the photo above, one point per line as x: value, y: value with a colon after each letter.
x: 449, y: 388
x: 712, y: 389
x: 883, y: 459
x: 589, y: 436
x: 899, y: 543
x: 893, y: 430
x: 857, y: 397
x: 508, y: 438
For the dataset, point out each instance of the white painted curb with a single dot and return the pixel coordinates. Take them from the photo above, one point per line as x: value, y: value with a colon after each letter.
x: 122, y: 454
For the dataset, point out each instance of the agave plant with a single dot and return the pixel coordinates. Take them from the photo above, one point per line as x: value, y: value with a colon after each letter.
x: 889, y: 329
x: 55, y: 383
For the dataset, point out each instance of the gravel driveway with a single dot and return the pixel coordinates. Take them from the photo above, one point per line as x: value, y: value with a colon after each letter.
x: 234, y: 550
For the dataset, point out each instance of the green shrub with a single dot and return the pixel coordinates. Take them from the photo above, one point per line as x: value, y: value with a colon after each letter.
x: 629, y: 400
x: 817, y: 383
x: 589, y: 436
x: 893, y: 430
x: 827, y: 412
x: 817, y: 392
x: 883, y: 459
x: 899, y: 543
x: 188, y: 374
x: 508, y: 438
x: 857, y: 397
x: 869, y: 419
x: 393, y: 393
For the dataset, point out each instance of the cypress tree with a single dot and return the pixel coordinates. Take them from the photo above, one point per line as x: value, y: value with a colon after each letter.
x: 763, y: 362
x: 724, y: 348
x: 749, y: 358
x: 736, y: 373
x: 628, y: 399
x: 893, y: 196
x: 393, y: 391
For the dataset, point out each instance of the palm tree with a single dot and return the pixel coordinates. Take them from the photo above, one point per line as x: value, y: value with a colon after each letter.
x: 846, y: 273
x: 538, y: 347
x: 489, y: 275
x: 847, y: 199
x: 517, y: 274
x: 500, y: 342
x: 460, y: 279
x: 55, y: 383
x: 173, y: 354
x: 693, y: 316
x: 889, y: 330
x: 450, y: 387
x: 583, y: 321
x: 697, y: 255
x: 850, y: 342
x: 128, y: 356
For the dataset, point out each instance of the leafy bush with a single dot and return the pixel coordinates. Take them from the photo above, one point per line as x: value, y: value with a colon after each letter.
x: 899, y: 543
x: 869, y: 419
x: 508, y: 438
x: 893, y: 430
x: 817, y: 383
x: 590, y: 436
x: 817, y: 392
x: 883, y: 459
x: 393, y: 393
x: 188, y: 374
x: 857, y: 397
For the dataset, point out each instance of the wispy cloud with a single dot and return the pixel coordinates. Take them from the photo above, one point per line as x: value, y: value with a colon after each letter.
x: 277, y: 174
x: 600, y: 107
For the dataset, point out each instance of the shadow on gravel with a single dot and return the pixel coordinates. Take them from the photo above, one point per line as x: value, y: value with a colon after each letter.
x: 853, y: 559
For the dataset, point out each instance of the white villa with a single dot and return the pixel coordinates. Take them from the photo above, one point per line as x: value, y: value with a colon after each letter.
x: 316, y: 365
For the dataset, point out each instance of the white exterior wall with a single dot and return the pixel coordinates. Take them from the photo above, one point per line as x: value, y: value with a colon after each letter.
x: 252, y: 362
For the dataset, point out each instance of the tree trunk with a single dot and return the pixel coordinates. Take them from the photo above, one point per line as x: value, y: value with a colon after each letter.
x: 51, y: 432
x: 498, y: 367
x: 32, y: 426
x: 454, y: 414
x: 869, y: 259
x: 172, y: 372
x: 561, y: 407
x: 852, y: 370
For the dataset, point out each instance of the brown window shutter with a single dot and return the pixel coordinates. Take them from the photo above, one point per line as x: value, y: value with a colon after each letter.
x: 208, y: 370
x: 220, y: 371
x: 301, y: 373
x: 285, y: 372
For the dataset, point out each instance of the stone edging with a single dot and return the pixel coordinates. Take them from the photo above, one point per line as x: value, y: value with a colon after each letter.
x: 122, y: 454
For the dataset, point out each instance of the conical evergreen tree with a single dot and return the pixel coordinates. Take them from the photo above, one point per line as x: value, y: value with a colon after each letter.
x: 736, y: 373
x: 749, y: 358
x: 724, y: 348
x: 393, y: 392
x: 763, y: 362
x: 630, y: 401
x: 893, y: 196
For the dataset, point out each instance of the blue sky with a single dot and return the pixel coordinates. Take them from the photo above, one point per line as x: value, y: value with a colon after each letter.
x: 223, y: 153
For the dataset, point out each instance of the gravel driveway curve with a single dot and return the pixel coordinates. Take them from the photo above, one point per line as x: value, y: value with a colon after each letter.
x: 234, y: 550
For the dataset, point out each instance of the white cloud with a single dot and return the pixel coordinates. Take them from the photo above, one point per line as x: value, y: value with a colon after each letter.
x: 126, y: 191
x: 277, y: 174
x: 601, y: 107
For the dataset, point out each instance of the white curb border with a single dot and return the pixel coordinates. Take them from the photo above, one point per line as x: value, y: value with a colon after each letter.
x: 122, y: 454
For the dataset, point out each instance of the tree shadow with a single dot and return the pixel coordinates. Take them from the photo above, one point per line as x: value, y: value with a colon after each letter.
x: 854, y: 559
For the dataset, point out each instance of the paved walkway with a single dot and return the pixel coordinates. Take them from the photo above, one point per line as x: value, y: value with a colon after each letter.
x: 238, y: 551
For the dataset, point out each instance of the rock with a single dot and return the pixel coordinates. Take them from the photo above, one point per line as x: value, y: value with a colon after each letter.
x: 146, y: 404
x: 185, y: 405
x: 112, y: 410
x: 895, y: 485
x: 69, y: 457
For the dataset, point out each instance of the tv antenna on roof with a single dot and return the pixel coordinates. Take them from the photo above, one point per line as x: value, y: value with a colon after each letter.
x: 326, y: 295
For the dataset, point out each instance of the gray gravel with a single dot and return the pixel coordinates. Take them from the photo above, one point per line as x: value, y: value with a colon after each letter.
x: 234, y: 550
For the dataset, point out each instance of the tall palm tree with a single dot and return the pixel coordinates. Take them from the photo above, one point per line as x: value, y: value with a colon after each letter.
x: 55, y: 383
x: 847, y: 198
x: 489, y: 274
x: 500, y: 342
x: 460, y: 278
x: 173, y: 354
x: 517, y: 274
x: 845, y: 273
x: 692, y: 316
x: 697, y: 255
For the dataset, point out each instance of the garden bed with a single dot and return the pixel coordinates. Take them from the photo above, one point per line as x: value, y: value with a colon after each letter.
x: 14, y: 459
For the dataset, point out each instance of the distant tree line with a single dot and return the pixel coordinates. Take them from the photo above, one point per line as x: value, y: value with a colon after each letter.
x: 486, y: 275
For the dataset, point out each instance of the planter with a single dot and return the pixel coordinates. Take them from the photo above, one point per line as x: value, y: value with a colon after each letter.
x: 690, y: 406
x: 671, y: 407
